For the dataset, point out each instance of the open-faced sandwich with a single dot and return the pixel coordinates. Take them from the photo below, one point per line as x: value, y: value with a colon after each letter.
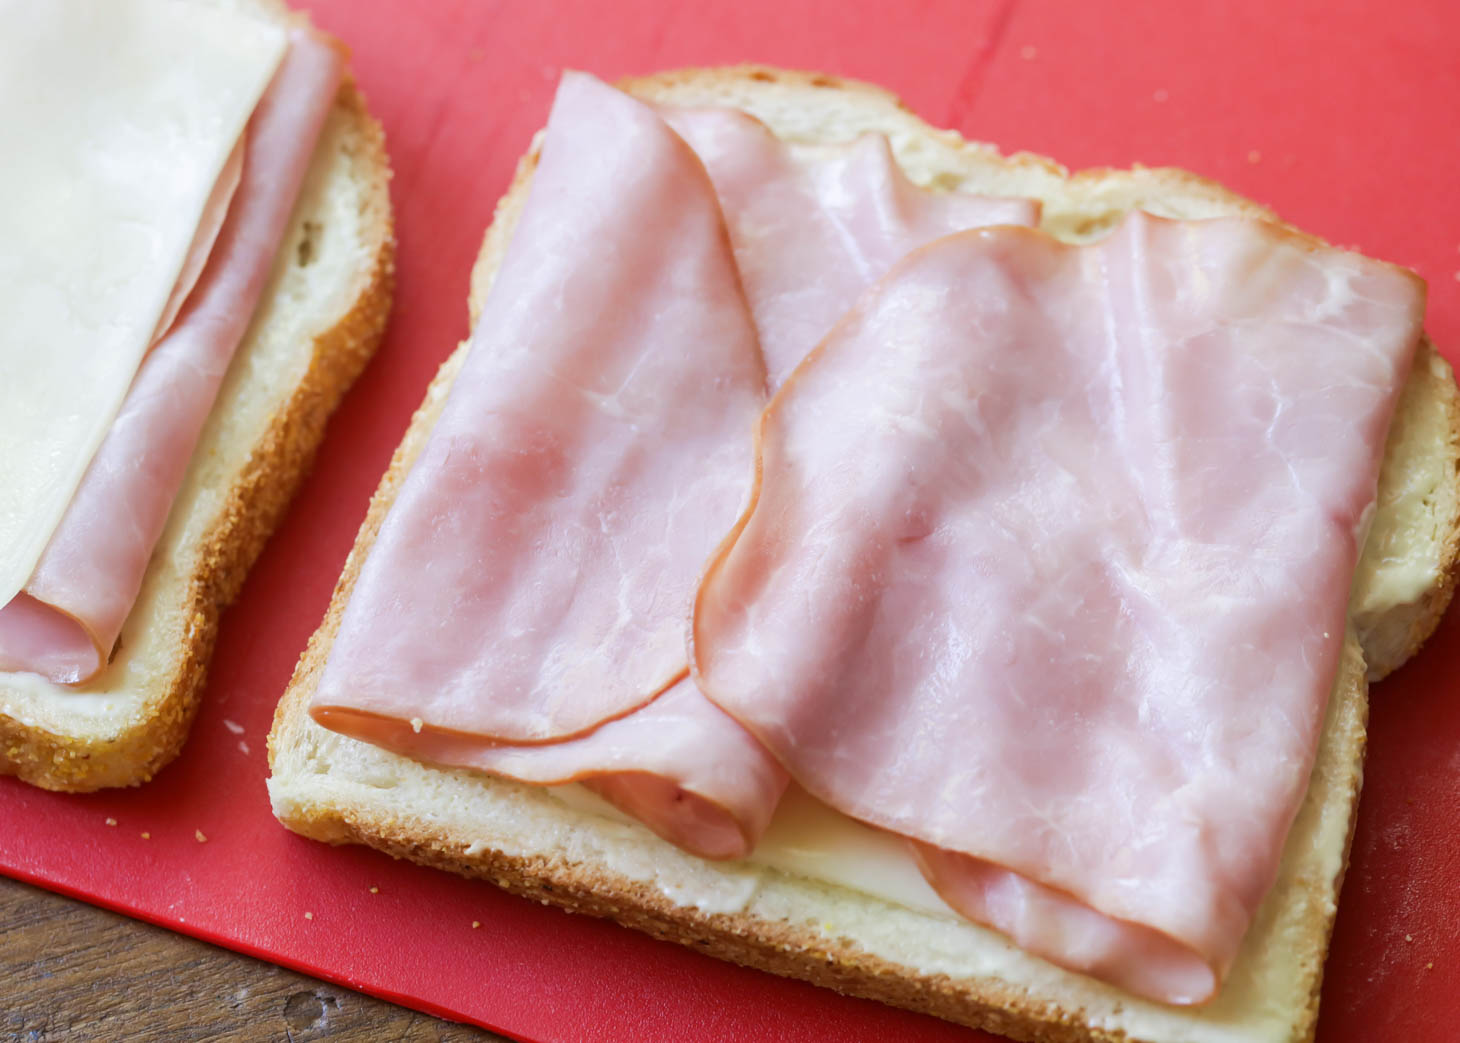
x: 877, y: 560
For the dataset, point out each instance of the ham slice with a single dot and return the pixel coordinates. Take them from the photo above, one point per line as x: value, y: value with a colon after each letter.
x: 529, y: 589
x: 815, y: 225
x: 1046, y: 571
x: 66, y: 621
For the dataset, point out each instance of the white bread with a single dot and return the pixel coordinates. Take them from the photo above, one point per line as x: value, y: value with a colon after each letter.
x: 525, y: 839
x: 318, y: 324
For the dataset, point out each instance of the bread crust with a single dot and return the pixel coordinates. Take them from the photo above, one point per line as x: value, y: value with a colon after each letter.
x: 782, y: 946
x: 256, y: 501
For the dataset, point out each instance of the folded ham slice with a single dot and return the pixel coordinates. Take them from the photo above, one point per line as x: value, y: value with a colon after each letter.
x: 1047, y: 565
x: 679, y: 765
x: 66, y: 621
x: 815, y: 225
x: 529, y: 589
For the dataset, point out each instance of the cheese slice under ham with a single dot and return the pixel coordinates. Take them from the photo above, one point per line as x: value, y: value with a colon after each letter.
x: 66, y: 620
x: 815, y: 225
x: 1047, y: 565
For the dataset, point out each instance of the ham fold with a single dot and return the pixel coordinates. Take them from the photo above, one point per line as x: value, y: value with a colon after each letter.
x: 65, y: 622
x: 1046, y: 570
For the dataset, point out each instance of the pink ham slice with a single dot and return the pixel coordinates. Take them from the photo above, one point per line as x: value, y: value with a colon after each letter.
x: 1046, y: 570
x: 66, y: 621
x: 814, y: 226
x: 531, y: 584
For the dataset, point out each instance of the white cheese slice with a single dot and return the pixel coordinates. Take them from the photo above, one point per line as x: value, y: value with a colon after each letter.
x: 117, y: 117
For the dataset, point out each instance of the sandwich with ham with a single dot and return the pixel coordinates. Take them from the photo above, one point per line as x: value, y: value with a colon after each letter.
x: 877, y: 560
x: 196, y: 249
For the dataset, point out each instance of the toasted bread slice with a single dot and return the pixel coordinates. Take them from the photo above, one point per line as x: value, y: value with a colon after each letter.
x: 531, y: 841
x: 317, y: 325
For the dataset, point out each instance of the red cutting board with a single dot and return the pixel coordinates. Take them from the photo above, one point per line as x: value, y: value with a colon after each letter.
x: 1341, y: 114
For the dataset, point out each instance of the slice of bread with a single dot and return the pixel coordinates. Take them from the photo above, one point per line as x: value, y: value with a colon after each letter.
x: 320, y: 320
x: 532, y: 842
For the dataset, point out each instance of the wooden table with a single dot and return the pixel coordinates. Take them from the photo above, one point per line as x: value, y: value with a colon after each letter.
x: 72, y: 972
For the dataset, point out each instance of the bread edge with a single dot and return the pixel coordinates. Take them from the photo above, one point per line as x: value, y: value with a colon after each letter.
x: 255, y: 504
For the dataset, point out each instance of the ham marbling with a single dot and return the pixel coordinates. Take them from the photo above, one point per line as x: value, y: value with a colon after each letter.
x: 1047, y: 567
x: 66, y: 621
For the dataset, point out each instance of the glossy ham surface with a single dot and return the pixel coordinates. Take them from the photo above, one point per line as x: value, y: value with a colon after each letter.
x: 1047, y: 568
x: 66, y: 621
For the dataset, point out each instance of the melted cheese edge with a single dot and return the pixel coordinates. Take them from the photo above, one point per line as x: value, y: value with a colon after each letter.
x: 126, y: 112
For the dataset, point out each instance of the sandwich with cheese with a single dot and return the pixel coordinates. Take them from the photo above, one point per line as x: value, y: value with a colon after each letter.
x: 196, y: 261
x: 877, y: 560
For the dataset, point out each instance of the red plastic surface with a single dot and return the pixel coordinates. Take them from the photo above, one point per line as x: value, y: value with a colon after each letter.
x: 1342, y: 114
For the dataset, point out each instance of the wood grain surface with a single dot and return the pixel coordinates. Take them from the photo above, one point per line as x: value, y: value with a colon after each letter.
x: 72, y: 972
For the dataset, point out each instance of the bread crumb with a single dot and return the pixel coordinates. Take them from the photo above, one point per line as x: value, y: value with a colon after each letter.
x: 1028, y: 52
x: 477, y: 923
x: 1430, y: 966
x: 233, y: 726
x: 309, y: 916
x: 198, y: 836
x: 417, y: 724
x: 1409, y: 937
x: 243, y: 747
x: 1161, y: 95
x: 375, y: 890
x: 146, y: 836
x: 111, y: 822
x: 1253, y: 156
